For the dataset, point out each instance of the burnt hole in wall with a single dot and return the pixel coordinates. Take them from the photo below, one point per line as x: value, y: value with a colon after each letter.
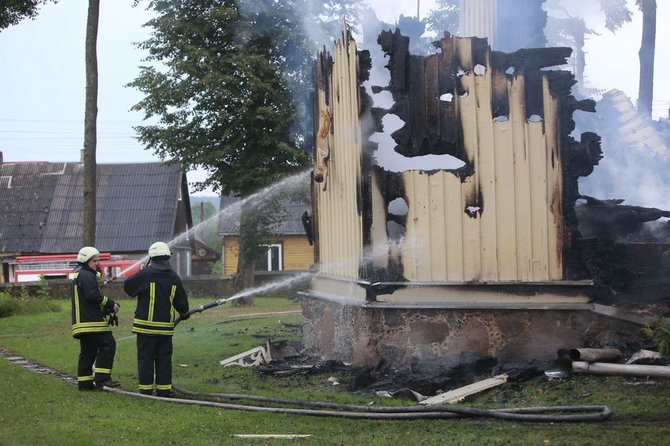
x: 396, y: 219
x: 447, y: 97
x: 473, y: 211
x: 461, y: 91
x: 398, y: 207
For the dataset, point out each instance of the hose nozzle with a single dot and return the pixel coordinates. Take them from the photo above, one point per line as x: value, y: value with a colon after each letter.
x: 201, y: 308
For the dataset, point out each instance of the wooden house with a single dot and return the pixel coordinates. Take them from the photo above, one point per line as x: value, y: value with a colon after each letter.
x: 289, y: 250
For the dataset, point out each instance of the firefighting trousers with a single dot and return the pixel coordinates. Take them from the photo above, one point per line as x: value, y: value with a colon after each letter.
x: 98, y: 349
x: 154, y: 359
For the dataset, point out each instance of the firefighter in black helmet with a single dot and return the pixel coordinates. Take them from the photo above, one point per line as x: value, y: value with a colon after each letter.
x: 159, y: 293
x: 89, y: 307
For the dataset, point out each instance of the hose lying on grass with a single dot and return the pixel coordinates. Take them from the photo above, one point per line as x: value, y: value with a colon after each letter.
x: 561, y: 413
x: 543, y: 414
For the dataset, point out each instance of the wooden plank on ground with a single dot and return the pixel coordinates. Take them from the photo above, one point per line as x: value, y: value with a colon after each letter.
x: 456, y: 395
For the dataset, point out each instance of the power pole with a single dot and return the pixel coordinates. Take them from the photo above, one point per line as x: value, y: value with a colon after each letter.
x: 90, y: 123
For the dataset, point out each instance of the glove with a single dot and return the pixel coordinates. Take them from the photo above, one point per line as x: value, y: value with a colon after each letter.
x: 183, y: 317
x: 113, y: 319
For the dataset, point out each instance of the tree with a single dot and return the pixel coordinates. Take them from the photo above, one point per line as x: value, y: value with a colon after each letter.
x: 13, y: 11
x: 647, y: 49
x: 90, y: 123
x: 224, y: 82
x: 571, y: 32
x: 204, y: 211
x: 444, y: 17
x: 616, y: 14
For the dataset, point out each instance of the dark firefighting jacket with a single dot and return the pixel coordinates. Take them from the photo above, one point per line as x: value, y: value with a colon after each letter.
x: 89, y: 305
x: 159, y: 293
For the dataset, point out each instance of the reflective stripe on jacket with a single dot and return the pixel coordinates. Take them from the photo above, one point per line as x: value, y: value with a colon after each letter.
x: 88, y: 304
x: 159, y: 293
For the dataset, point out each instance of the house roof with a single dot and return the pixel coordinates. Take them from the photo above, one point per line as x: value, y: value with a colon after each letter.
x: 41, y: 206
x: 291, y: 224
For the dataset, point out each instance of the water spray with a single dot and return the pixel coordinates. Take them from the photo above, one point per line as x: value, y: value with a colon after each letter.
x: 283, y: 187
x: 245, y: 293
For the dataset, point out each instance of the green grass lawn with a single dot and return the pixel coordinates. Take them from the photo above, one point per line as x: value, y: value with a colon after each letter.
x: 45, y: 410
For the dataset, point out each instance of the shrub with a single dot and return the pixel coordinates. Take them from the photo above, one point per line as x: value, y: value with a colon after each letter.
x: 44, y: 290
x: 660, y: 335
x: 10, y: 306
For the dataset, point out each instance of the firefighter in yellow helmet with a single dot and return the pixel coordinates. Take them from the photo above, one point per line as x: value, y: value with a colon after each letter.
x: 89, y: 307
x: 159, y: 293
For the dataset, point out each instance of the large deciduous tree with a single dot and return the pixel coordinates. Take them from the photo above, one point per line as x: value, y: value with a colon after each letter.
x: 13, y: 11
x: 223, y: 84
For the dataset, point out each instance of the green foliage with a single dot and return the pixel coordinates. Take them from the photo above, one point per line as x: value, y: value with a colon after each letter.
x: 226, y: 95
x: 13, y: 11
x: 11, y: 306
x: 660, y: 335
x: 8, y: 305
x: 44, y: 290
x: 205, y: 211
x: 226, y: 85
x: 217, y: 268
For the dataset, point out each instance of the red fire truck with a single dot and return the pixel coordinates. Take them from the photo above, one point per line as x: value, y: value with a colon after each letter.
x: 61, y: 266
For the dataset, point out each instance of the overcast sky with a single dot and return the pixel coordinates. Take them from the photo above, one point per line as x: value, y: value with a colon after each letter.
x: 42, y: 76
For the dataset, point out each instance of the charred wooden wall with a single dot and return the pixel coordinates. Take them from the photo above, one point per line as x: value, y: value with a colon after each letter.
x: 500, y: 217
x: 506, y: 216
x: 337, y: 209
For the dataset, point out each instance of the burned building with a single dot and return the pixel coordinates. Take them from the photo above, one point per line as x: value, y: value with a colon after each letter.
x: 423, y: 264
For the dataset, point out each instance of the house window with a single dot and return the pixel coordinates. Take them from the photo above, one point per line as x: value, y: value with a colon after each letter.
x: 271, y: 260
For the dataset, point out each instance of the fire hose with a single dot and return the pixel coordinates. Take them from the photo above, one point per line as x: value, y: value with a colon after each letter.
x: 536, y: 414
x: 324, y: 409
x: 200, y: 309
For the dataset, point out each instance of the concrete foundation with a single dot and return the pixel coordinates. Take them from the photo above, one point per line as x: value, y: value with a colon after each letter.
x: 413, y: 337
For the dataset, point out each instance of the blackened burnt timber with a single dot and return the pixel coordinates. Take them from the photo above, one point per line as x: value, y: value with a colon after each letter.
x: 480, y: 259
x: 625, y: 250
x: 424, y: 90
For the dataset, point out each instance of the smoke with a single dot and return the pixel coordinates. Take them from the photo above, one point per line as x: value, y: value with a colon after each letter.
x: 635, y: 157
x: 589, y: 11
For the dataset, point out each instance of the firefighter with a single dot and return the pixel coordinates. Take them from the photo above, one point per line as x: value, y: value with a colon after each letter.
x: 159, y: 293
x: 89, y: 308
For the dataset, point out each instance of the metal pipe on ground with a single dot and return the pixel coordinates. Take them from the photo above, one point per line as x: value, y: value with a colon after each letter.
x: 595, y: 354
x: 605, y: 368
